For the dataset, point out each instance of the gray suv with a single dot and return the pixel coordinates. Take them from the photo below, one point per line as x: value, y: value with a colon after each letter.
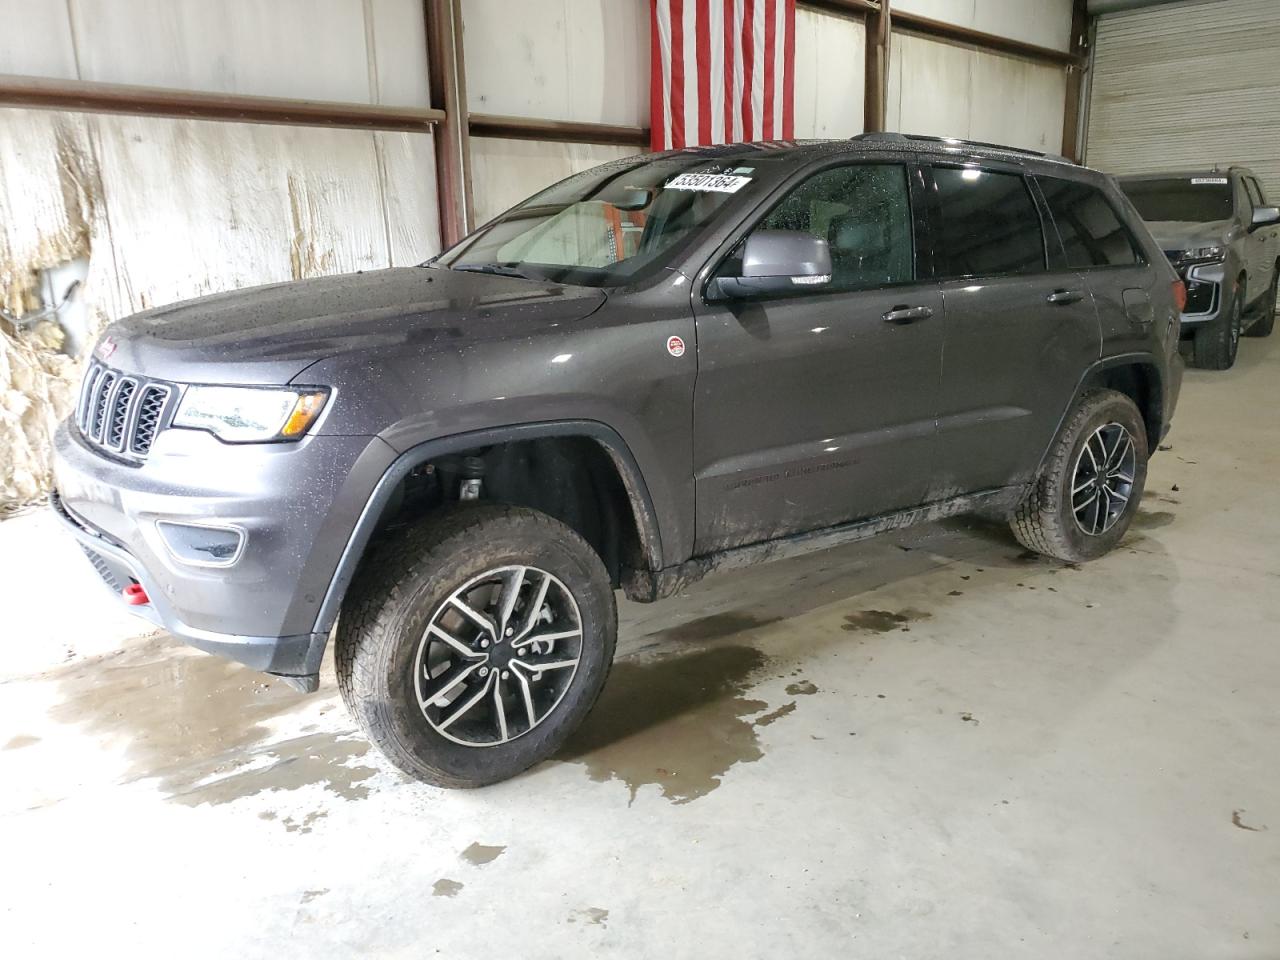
x: 1223, y: 237
x: 661, y: 366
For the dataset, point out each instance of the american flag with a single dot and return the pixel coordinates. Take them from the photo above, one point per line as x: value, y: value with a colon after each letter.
x: 723, y: 71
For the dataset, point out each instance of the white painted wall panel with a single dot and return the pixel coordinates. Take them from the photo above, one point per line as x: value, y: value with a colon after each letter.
x: 830, y: 75
x: 399, y: 52
x: 1043, y: 22
x: 285, y: 48
x: 584, y: 60
x: 945, y: 89
x: 504, y: 172
x: 36, y: 39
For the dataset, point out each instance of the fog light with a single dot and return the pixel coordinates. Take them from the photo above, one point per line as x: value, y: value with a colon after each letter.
x: 202, y: 544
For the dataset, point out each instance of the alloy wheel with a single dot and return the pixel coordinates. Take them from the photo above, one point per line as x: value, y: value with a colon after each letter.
x: 498, y: 656
x: 1102, y: 481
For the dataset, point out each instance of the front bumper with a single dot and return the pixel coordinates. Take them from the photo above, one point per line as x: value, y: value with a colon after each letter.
x: 296, y: 505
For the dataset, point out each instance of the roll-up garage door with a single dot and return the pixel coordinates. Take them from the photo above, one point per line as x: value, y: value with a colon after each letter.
x: 1185, y: 85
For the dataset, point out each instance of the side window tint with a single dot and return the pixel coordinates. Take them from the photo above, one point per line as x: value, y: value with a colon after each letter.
x: 864, y: 214
x: 988, y: 225
x: 1091, y: 232
x: 1255, y: 192
x: 1262, y: 197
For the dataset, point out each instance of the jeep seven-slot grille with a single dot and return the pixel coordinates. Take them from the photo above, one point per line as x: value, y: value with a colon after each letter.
x: 121, y: 413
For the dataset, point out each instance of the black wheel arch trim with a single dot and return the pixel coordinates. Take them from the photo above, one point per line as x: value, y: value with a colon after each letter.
x: 1088, y: 381
x: 637, y: 490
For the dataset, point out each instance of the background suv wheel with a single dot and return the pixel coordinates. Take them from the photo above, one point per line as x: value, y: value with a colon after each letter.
x: 1216, y: 343
x: 1089, y: 487
x: 474, y: 643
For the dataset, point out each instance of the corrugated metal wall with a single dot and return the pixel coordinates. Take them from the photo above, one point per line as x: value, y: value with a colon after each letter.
x: 1188, y: 85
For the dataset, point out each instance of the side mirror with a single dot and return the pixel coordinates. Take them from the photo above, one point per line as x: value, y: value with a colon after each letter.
x: 778, y: 261
x: 1264, y: 216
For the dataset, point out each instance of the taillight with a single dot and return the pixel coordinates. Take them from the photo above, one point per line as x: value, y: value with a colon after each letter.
x: 1180, y: 295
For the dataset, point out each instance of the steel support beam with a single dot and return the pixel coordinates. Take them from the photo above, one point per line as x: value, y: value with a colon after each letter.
x: 875, y: 94
x: 448, y: 86
x: 557, y: 131
x: 84, y: 96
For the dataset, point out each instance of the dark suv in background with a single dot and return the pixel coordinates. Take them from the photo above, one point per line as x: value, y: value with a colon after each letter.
x: 1221, y: 235
x: 661, y: 366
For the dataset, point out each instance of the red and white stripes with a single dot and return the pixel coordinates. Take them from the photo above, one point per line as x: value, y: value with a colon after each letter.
x: 722, y: 71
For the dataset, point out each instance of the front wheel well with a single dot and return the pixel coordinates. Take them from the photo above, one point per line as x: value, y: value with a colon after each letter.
x: 574, y: 479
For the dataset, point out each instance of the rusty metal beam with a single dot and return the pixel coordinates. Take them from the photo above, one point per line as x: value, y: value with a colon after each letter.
x: 1075, y: 82
x: 448, y: 85
x: 939, y: 30
x: 557, y: 131
x: 875, y: 93
x: 42, y: 93
x: 851, y: 8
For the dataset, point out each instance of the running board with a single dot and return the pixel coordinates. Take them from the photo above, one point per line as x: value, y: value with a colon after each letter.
x: 646, y: 586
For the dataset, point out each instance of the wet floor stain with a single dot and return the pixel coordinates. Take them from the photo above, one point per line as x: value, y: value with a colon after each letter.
x: 197, y: 723
x: 717, y: 626
x: 322, y: 759
x: 1237, y: 818
x: 309, y: 895
x: 802, y: 688
x: 882, y: 621
x: 444, y: 887
x: 305, y: 823
x: 678, y: 721
x: 1153, y: 519
x: 20, y: 741
x: 968, y: 717
x: 478, y: 854
x: 773, y: 716
x: 592, y: 915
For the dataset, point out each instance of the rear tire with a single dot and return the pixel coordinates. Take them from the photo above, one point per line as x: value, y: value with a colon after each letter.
x: 1216, y: 343
x: 424, y: 636
x: 1090, y: 457
x: 1266, y: 322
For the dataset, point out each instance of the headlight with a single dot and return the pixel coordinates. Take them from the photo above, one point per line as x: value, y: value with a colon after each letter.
x: 250, y: 414
x: 1205, y: 253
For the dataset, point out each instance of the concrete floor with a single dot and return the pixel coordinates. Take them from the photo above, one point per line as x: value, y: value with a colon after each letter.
x: 929, y: 745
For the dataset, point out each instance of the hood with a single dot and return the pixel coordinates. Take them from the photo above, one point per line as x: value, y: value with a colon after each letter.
x: 270, y: 334
x: 1184, y: 234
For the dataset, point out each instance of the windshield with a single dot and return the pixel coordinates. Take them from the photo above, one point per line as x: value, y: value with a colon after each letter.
x: 609, y: 225
x: 1190, y: 199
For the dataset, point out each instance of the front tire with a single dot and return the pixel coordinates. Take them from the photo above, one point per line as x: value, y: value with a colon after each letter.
x: 472, y: 644
x: 1217, y: 343
x: 1089, y: 487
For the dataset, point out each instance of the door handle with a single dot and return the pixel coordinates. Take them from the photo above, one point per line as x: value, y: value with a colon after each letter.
x: 904, y: 314
x: 1063, y: 297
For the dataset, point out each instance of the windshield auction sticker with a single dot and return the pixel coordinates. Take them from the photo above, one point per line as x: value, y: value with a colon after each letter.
x: 715, y: 182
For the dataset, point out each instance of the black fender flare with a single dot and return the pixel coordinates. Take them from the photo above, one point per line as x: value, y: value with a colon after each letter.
x: 646, y: 517
x: 1135, y: 359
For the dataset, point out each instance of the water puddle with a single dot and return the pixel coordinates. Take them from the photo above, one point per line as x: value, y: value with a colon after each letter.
x: 193, y: 721
x: 678, y: 721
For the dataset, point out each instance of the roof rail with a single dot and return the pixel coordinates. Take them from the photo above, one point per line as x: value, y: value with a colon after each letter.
x: 887, y: 137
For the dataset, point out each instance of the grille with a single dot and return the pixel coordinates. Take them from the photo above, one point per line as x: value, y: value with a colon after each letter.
x: 121, y: 413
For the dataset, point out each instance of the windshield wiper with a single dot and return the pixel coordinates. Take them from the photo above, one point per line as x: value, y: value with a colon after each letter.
x: 501, y: 269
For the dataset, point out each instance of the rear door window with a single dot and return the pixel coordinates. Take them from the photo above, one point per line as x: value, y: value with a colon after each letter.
x: 986, y: 224
x: 1092, y: 233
